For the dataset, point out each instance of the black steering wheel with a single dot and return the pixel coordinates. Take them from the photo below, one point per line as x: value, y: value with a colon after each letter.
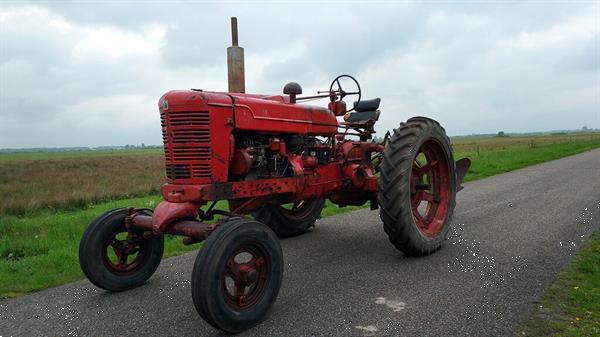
x: 333, y: 94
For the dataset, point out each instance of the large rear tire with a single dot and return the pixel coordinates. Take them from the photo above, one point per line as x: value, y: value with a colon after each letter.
x: 290, y: 221
x: 114, y: 260
x: 417, y: 186
x: 237, y: 275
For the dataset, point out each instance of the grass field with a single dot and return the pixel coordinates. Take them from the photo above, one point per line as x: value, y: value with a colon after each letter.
x: 16, y: 156
x: 47, y: 201
x: 71, y: 180
x: 71, y: 183
x: 473, y: 144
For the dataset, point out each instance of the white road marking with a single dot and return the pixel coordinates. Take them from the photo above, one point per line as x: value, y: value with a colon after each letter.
x: 370, y: 330
x: 396, y: 306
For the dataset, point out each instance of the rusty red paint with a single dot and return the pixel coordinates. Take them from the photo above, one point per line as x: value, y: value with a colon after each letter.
x: 189, y: 228
x: 201, y: 130
x: 245, y: 278
x: 167, y: 212
x: 241, y: 163
x: 226, y: 191
x: 338, y: 107
x: 122, y: 249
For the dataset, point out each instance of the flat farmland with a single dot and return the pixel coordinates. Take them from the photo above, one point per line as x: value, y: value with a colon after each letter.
x: 48, y: 199
x: 68, y: 180
x: 74, y: 180
x: 472, y: 144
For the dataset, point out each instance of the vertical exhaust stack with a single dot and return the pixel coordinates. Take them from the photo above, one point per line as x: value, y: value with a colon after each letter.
x: 235, y: 62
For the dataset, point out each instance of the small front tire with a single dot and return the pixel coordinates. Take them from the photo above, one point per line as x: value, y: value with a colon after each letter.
x: 114, y: 260
x: 237, y: 275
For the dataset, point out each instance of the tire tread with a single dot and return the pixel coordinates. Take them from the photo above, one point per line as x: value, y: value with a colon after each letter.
x: 394, y: 189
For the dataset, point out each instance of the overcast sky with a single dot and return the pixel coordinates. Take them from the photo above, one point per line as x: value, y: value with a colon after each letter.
x: 91, y: 73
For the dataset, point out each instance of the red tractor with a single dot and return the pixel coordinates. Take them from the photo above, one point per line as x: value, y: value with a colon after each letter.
x: 275, y: 162
x: 278, y: 161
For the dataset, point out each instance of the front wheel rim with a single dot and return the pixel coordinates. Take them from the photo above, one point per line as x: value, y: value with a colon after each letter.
x: 246, y: 276
x: 430, y: 188
x: 123, y: 255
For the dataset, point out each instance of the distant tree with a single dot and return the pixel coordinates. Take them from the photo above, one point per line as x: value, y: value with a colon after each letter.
x: 501, y: 134
x: 584, y: 128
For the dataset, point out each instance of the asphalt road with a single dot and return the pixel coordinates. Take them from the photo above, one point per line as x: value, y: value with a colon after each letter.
x: 512, y: 234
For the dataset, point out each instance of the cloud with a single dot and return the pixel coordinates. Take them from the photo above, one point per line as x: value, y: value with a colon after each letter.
x: 109, y: 42
x: 503, y: 79
x: 75, y: 84
x: 90, y: 73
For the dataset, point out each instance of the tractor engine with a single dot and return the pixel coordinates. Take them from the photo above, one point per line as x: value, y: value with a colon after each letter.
x: 262, y: 157
x: 258, y: 157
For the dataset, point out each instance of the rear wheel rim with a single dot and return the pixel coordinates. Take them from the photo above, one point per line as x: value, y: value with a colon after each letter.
x: 299, y: 210
x: 430, y: 188
x: 246, y: 276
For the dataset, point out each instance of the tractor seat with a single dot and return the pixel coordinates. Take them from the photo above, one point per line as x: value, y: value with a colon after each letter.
x: 365, y: 110
x: 367, y: 105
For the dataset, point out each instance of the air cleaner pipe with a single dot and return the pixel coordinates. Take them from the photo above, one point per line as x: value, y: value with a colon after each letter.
x: 235, y: 62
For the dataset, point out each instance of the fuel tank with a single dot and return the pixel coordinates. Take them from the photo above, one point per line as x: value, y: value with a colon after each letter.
x: 275, y: 114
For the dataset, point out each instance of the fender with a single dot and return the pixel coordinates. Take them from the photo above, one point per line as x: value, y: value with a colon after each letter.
x: 462, y: 166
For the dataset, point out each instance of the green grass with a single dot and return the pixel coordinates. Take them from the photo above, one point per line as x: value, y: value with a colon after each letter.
x: 571, y: 305
x: 73, y: 183
x: 495, y: 161
x: 42, y: 155
x: 39, y: 250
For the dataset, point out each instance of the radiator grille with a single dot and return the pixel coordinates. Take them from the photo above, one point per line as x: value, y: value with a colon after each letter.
x: 186, y: 137
x: 178, y: 171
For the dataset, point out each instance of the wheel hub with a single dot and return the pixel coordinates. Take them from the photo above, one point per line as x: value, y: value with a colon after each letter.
x: 123, y: 255
x: 245, y: 278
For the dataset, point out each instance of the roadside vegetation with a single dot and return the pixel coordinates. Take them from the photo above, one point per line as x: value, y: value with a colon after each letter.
x: 72, y: 183
x: 47, y: 200
x: 571, y: 305
x: 504, y: 158
x: 72, y: 180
